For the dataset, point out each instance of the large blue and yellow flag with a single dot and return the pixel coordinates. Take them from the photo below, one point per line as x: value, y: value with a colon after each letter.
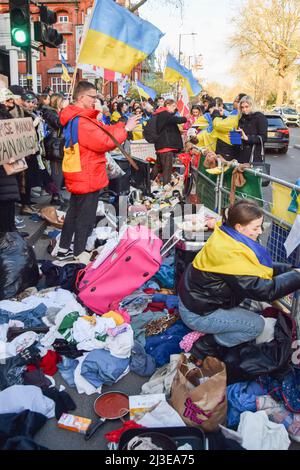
x: 145, y: 91
x: 116, y: 38
x: 65, y: 75
x: 175, y: 72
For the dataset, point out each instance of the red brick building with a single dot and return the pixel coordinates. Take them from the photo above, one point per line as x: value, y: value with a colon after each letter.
x: 70, y: 19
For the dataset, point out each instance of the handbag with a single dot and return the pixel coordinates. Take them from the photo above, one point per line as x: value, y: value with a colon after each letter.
x: 54, y: 147
x: 15, y: 167
x: 262, y: 166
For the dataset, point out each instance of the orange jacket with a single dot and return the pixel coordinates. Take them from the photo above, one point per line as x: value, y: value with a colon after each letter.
x: 85, y: 172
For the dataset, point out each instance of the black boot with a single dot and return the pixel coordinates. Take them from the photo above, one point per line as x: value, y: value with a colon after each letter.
x: 207, y: 346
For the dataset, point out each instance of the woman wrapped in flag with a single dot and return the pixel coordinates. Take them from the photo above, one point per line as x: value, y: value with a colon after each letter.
x: 232, y: 267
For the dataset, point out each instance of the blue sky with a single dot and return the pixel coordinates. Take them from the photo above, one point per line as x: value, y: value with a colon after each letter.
x: 210, y: 19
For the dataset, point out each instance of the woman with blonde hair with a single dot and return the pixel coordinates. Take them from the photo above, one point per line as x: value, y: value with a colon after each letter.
x: 253, y: 126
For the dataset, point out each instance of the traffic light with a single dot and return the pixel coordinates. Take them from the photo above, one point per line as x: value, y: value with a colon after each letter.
x: 20, y: 23
x: 43, y: 32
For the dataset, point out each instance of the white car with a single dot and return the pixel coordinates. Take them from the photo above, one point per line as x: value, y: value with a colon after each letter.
x: 289, y: 115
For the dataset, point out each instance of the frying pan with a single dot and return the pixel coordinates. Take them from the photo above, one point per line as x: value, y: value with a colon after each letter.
x: 109, y: 405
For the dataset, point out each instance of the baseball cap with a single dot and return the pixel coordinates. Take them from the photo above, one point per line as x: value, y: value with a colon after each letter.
x: 6, y: 94
x: 29, y: 96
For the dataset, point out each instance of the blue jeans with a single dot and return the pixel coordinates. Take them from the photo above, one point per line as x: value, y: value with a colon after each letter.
x: 229, y: 327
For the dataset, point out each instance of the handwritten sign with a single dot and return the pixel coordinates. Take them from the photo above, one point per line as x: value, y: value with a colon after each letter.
x: 18, y: 139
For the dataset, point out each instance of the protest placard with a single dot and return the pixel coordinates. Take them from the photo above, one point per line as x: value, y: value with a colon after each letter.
x: 18, y: 139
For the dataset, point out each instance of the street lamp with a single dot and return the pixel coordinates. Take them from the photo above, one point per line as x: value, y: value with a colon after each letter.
x: 180, y: 35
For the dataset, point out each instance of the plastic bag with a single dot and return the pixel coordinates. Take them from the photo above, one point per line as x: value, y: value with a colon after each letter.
x: 112, y: 168
x: 18, y: 266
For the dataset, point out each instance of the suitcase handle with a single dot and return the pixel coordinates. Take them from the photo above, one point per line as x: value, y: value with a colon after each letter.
x: 173, y: 240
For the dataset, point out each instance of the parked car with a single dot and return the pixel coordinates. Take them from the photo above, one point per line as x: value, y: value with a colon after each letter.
x: 289, y: 115
x: 278, y: 134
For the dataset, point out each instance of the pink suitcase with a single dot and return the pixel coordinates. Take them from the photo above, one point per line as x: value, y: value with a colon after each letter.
x: 134, y: 261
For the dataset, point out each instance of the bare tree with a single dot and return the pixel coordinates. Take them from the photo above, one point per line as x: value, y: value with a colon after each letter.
x: 270, y: 29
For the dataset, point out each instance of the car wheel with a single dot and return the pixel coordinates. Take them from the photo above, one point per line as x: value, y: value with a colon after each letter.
x: 283, y: 151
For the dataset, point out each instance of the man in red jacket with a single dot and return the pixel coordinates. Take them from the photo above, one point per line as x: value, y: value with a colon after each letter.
x: 84, y: 165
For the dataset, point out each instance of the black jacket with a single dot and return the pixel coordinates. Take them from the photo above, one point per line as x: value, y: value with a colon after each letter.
x: 204, y: 292
x: 253, y: 125
x: 167, y: 128
x: 9, y: 189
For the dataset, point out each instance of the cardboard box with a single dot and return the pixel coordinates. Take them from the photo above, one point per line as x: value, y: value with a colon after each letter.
x: 74, y: 423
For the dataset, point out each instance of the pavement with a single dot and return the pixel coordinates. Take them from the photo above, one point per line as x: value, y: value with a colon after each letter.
x: 50, y: 435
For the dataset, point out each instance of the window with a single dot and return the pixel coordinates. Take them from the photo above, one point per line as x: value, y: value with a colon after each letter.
x: 21, y: 55
x: 275, y: 121
x: 63, y: 19
x: 23, y: 80
x: 59, y: 86
x: 39, y: 83
x: 63, y: 49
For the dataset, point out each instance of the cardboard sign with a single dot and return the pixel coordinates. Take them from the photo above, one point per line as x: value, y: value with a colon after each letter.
x: 18, y: 139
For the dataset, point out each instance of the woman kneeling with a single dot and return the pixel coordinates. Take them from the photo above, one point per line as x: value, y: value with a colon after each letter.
x: 231, y: 267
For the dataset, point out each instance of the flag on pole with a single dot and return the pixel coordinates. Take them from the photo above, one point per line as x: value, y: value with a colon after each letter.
x: 175, y: 72
x: 65, y: 75
x: 117, y: 39
x: 145, y: 91
x: 183, y: 103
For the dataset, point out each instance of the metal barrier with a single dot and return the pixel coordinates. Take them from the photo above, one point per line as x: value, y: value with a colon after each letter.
x: 215, y: 196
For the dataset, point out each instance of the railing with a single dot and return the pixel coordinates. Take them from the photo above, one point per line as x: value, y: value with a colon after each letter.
x: 215, y: 195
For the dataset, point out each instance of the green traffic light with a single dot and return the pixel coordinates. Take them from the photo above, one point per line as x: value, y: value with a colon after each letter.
x: 19, y: 36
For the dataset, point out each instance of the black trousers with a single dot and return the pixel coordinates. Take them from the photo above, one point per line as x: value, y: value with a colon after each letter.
x: 7, y: 216
x: 79, y: 221
x: 164, y: 165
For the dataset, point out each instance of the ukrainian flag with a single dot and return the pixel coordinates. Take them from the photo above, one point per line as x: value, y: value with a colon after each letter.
x: 117, y: 39
x: 145, y: 91
x: 175, y: 72
x: 65, y: 75
x: 229, y: 252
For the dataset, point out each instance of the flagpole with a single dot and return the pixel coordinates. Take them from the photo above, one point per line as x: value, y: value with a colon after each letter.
x: 138, y: 91
x: 84, y: 33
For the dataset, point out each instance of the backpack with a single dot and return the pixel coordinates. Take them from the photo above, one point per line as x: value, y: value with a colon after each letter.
x: 150, y: 131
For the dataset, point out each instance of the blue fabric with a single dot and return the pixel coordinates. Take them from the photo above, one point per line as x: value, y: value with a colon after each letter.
x: 261, y: 253
x: 150, y: 285
x: 141, y: 363
x: 234, y: 112
x: 105, y: 119
x: 286, y: 392
x: 210, y: 122
x: 165, y: 276
x: 171, y: 301
x: 100, y: 367
x: 241, y: 397
x: 31, y: 318
x: 162, y: 346
x: 67, y: 368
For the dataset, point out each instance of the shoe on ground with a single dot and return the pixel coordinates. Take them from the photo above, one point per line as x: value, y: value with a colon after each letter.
x: 18, y: 219
x: 64, y: 256
x: 20, y: 225
x: 56, y: 201
x: 28, y: 210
